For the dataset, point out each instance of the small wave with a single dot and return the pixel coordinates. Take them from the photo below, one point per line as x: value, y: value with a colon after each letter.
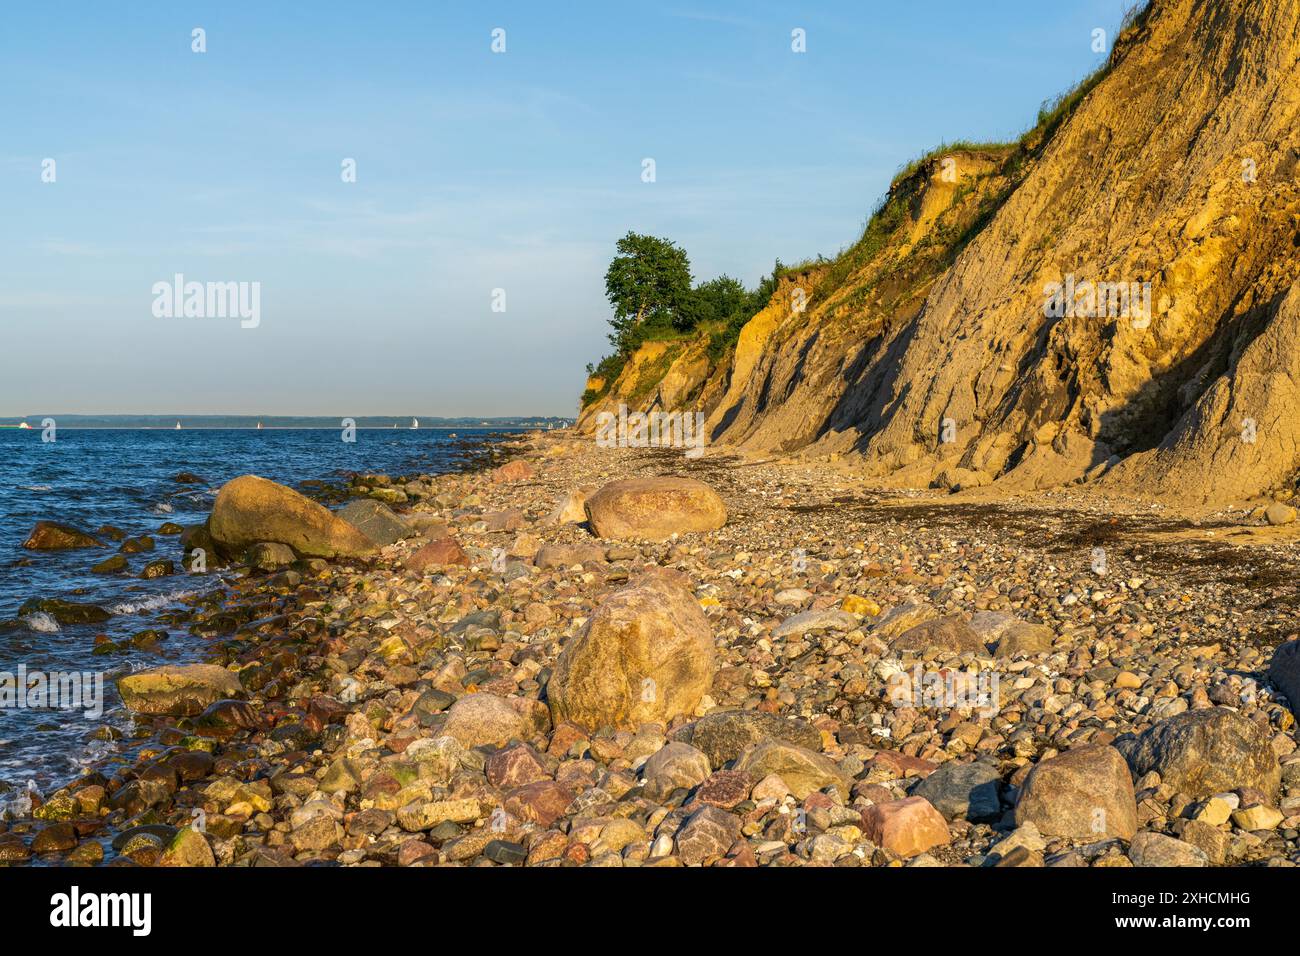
x: 162, y: 508
x: 35, y: 488
x: 151, y: 603
x: 41, y: 622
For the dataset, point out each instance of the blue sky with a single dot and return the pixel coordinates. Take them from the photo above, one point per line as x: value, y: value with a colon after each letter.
x: 475, y: 171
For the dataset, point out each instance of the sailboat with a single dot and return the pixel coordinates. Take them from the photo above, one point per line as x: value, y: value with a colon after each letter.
x: 178, y: 426
x: 415, y: 423
x: 259, y: 426
x: 24, y: 425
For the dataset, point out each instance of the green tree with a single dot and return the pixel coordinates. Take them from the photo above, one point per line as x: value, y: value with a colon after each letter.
x: 649, y: 284
x: 713, y: 301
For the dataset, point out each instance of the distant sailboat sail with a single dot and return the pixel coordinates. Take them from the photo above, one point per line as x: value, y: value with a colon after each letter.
x: 259, y: 426
x: 178, y: 426
x: 415, y: 423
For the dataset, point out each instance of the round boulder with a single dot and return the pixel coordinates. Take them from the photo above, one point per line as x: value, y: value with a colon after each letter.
x: 654, y: 509
x: 1204, y: 752
x: 249, y: 510
x: 1085, y: 793
x: 646, y: 655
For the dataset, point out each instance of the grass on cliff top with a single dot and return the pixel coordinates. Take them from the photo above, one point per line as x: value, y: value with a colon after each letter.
x: 891, y: 211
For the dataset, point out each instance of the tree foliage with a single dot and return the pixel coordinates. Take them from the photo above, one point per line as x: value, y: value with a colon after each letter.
x: 649, y: 284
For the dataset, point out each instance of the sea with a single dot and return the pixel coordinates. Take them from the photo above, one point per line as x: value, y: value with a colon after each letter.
x: 125, y: 477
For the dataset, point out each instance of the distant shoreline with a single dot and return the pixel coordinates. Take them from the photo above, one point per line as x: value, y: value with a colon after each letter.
x: 282, y: 422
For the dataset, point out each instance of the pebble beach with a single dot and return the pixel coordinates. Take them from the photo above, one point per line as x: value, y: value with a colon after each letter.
x: 596, y: 656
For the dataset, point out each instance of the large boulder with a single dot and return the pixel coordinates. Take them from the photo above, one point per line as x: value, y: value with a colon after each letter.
x: 646, y: 655
x: 178, y: 690
x: 1204, y: 752
x: 653, y: 509
x: 1085, y: 793
x: 250, y: 509
x: 376, y: 521
x: 52, y: 536
x: 1284, y: 673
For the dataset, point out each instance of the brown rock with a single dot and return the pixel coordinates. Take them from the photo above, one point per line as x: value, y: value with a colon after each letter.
x: 542, y: 802
x: 52, y: 536
x: 517, y: 470
x: 905, y: 828
x: 950, y: 633
x: 707, y: 835
x: 646, y: 655
x: 514, y: 766
x: 1023, y: 637
x: 436, y: 554
x: 567, y: 555
x: 511, y: 519
x: 725, y: 789
x: 478, y: 719
x: 250, y: 509
x: 1085, y: 793
x: 653, y: 509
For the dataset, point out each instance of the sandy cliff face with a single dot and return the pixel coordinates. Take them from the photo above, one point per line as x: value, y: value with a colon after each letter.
x: 942, y: 348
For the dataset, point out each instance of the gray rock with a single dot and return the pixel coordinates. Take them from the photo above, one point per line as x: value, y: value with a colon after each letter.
x: 804, y: 771
x: 830, y: 619
x: 964, y: 791
x: 376, y: 521
x: 675, y: 765
x: 1204, y: 752
x: 1284, y: 673
x: 269, y: 556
